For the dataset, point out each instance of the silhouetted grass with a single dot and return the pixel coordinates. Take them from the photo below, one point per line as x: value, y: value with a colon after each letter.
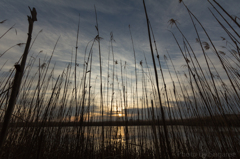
x: 197, y: 114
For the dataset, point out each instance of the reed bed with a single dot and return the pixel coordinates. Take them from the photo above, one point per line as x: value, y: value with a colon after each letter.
x: 195, y: 115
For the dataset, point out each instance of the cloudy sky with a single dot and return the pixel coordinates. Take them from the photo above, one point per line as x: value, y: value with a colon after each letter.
x: 59, y: 18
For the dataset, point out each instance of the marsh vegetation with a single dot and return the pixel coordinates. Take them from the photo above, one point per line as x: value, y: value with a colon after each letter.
x: 196, y: 114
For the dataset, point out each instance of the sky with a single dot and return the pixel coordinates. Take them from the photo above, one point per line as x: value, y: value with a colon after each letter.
x: 59, y: 18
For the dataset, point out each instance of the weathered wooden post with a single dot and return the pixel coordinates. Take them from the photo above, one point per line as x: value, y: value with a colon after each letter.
x: 17, y: 78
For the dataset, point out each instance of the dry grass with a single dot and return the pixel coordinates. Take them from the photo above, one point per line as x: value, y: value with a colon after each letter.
x: 197, y: 115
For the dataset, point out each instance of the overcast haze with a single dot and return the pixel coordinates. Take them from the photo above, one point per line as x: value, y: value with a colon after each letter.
x: 59, y: 18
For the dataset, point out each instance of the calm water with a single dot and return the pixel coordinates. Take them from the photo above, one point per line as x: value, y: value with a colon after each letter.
x: 188, y: 139
x: 143, y: 136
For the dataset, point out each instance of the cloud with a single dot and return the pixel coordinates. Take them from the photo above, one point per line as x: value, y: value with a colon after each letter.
x: 60, y: 19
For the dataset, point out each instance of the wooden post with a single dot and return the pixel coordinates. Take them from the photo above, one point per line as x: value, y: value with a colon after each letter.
x: 17, y: 78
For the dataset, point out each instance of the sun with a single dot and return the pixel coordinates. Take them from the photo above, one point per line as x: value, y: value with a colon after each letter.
x: 119, y: 114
